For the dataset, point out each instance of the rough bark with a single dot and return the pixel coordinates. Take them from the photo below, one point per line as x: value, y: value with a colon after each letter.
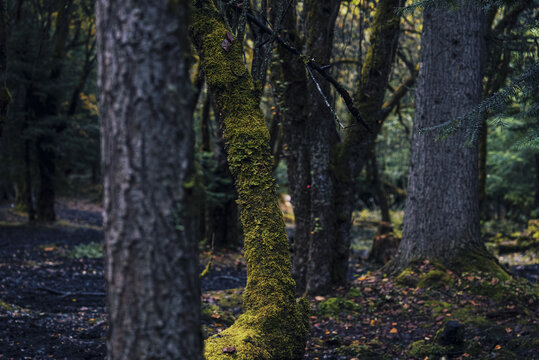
x: 352, y: 154
x: 322, y: 136
x: 296, y: 145
x: 441, y: 212
x: 147, y: 144
x: 274, y: 325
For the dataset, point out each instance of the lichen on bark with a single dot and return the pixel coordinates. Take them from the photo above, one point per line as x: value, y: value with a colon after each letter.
x: 274, y: 325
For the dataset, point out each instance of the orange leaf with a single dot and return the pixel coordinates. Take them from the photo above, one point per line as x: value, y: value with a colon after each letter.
x: 497, y: 347
x: 393, y: 331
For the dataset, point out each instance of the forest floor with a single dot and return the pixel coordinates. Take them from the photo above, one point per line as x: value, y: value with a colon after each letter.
x: 52, y: 301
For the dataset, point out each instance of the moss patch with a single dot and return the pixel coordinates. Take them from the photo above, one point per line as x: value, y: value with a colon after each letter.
x: 421, y: 349
x: 335, y: 306
x: 435, y: 278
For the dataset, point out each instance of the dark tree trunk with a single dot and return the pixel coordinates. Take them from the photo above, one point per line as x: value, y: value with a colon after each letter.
x: 5, y: 97
x: 45, y: 156
x: 322, y: 136
x: 353, y: 152
x: 442, y: 212
x: 379, y: 192
x: 384, y: 245
x: 27, y: 187
x: 296, y: 148
x: 147, y: 145
x: 223, y: 219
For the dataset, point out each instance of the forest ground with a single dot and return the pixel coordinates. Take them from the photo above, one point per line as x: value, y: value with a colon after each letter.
x: 52, y: 301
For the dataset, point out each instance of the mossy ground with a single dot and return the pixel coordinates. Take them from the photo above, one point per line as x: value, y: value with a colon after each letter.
x: 383, y: 318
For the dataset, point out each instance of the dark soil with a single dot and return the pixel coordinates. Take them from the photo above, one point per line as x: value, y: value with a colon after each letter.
x: 52, y: 304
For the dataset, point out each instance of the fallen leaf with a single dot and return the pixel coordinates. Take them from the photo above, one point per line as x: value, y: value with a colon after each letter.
x: 229, y: 349
x: 497, y: 347
x: 393, y: 331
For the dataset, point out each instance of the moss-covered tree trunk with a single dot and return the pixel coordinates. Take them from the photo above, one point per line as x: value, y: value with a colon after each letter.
x: 274, y: 326
x: 441, y: 212
x: 153, y: 289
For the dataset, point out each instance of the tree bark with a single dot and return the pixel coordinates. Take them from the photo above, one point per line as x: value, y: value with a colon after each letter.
x: 147, y: 144
x: 5, y: 97
x: 441, y: 211
x: 322, y: 135
x: 274, y: 325
x: 296, y: 145
x: 353, y: 152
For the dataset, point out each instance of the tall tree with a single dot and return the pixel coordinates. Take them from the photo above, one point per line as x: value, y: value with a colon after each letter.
x: 320, y: 131
x: 322, y: 167
x: 5, y: 97
x: 147, y: 143
x: 274, y: 326
x: 441, y: 212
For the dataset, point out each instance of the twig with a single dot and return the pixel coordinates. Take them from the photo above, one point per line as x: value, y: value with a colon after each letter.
x: 312, y: 64
x: 325, y: 98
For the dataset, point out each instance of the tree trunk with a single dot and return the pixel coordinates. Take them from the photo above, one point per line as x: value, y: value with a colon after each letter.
x: 441, y: 212
x: 353, y: 152
x: 296, y: 147
x: 45, y: 156
x: 147, y: 144
x: 274, y: 326
x: 385, y: 244
x: 223, y: 217
x: 322, y: 136
x: 379, y: 192
x: 5, y: 97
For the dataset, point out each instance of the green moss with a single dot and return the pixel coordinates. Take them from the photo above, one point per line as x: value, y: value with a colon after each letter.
x: 407, y: 277
x: 10, y: 307
x: 435, y: 279
x: 335, y: 306
x: 274, y: 325
x: 464, y: 314
x: 353, y: 293
x: 524, y: 343
x: 479, y: 261
x: 421, y: 349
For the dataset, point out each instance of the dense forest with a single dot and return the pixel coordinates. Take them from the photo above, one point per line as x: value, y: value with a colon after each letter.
x: 269, y: 179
